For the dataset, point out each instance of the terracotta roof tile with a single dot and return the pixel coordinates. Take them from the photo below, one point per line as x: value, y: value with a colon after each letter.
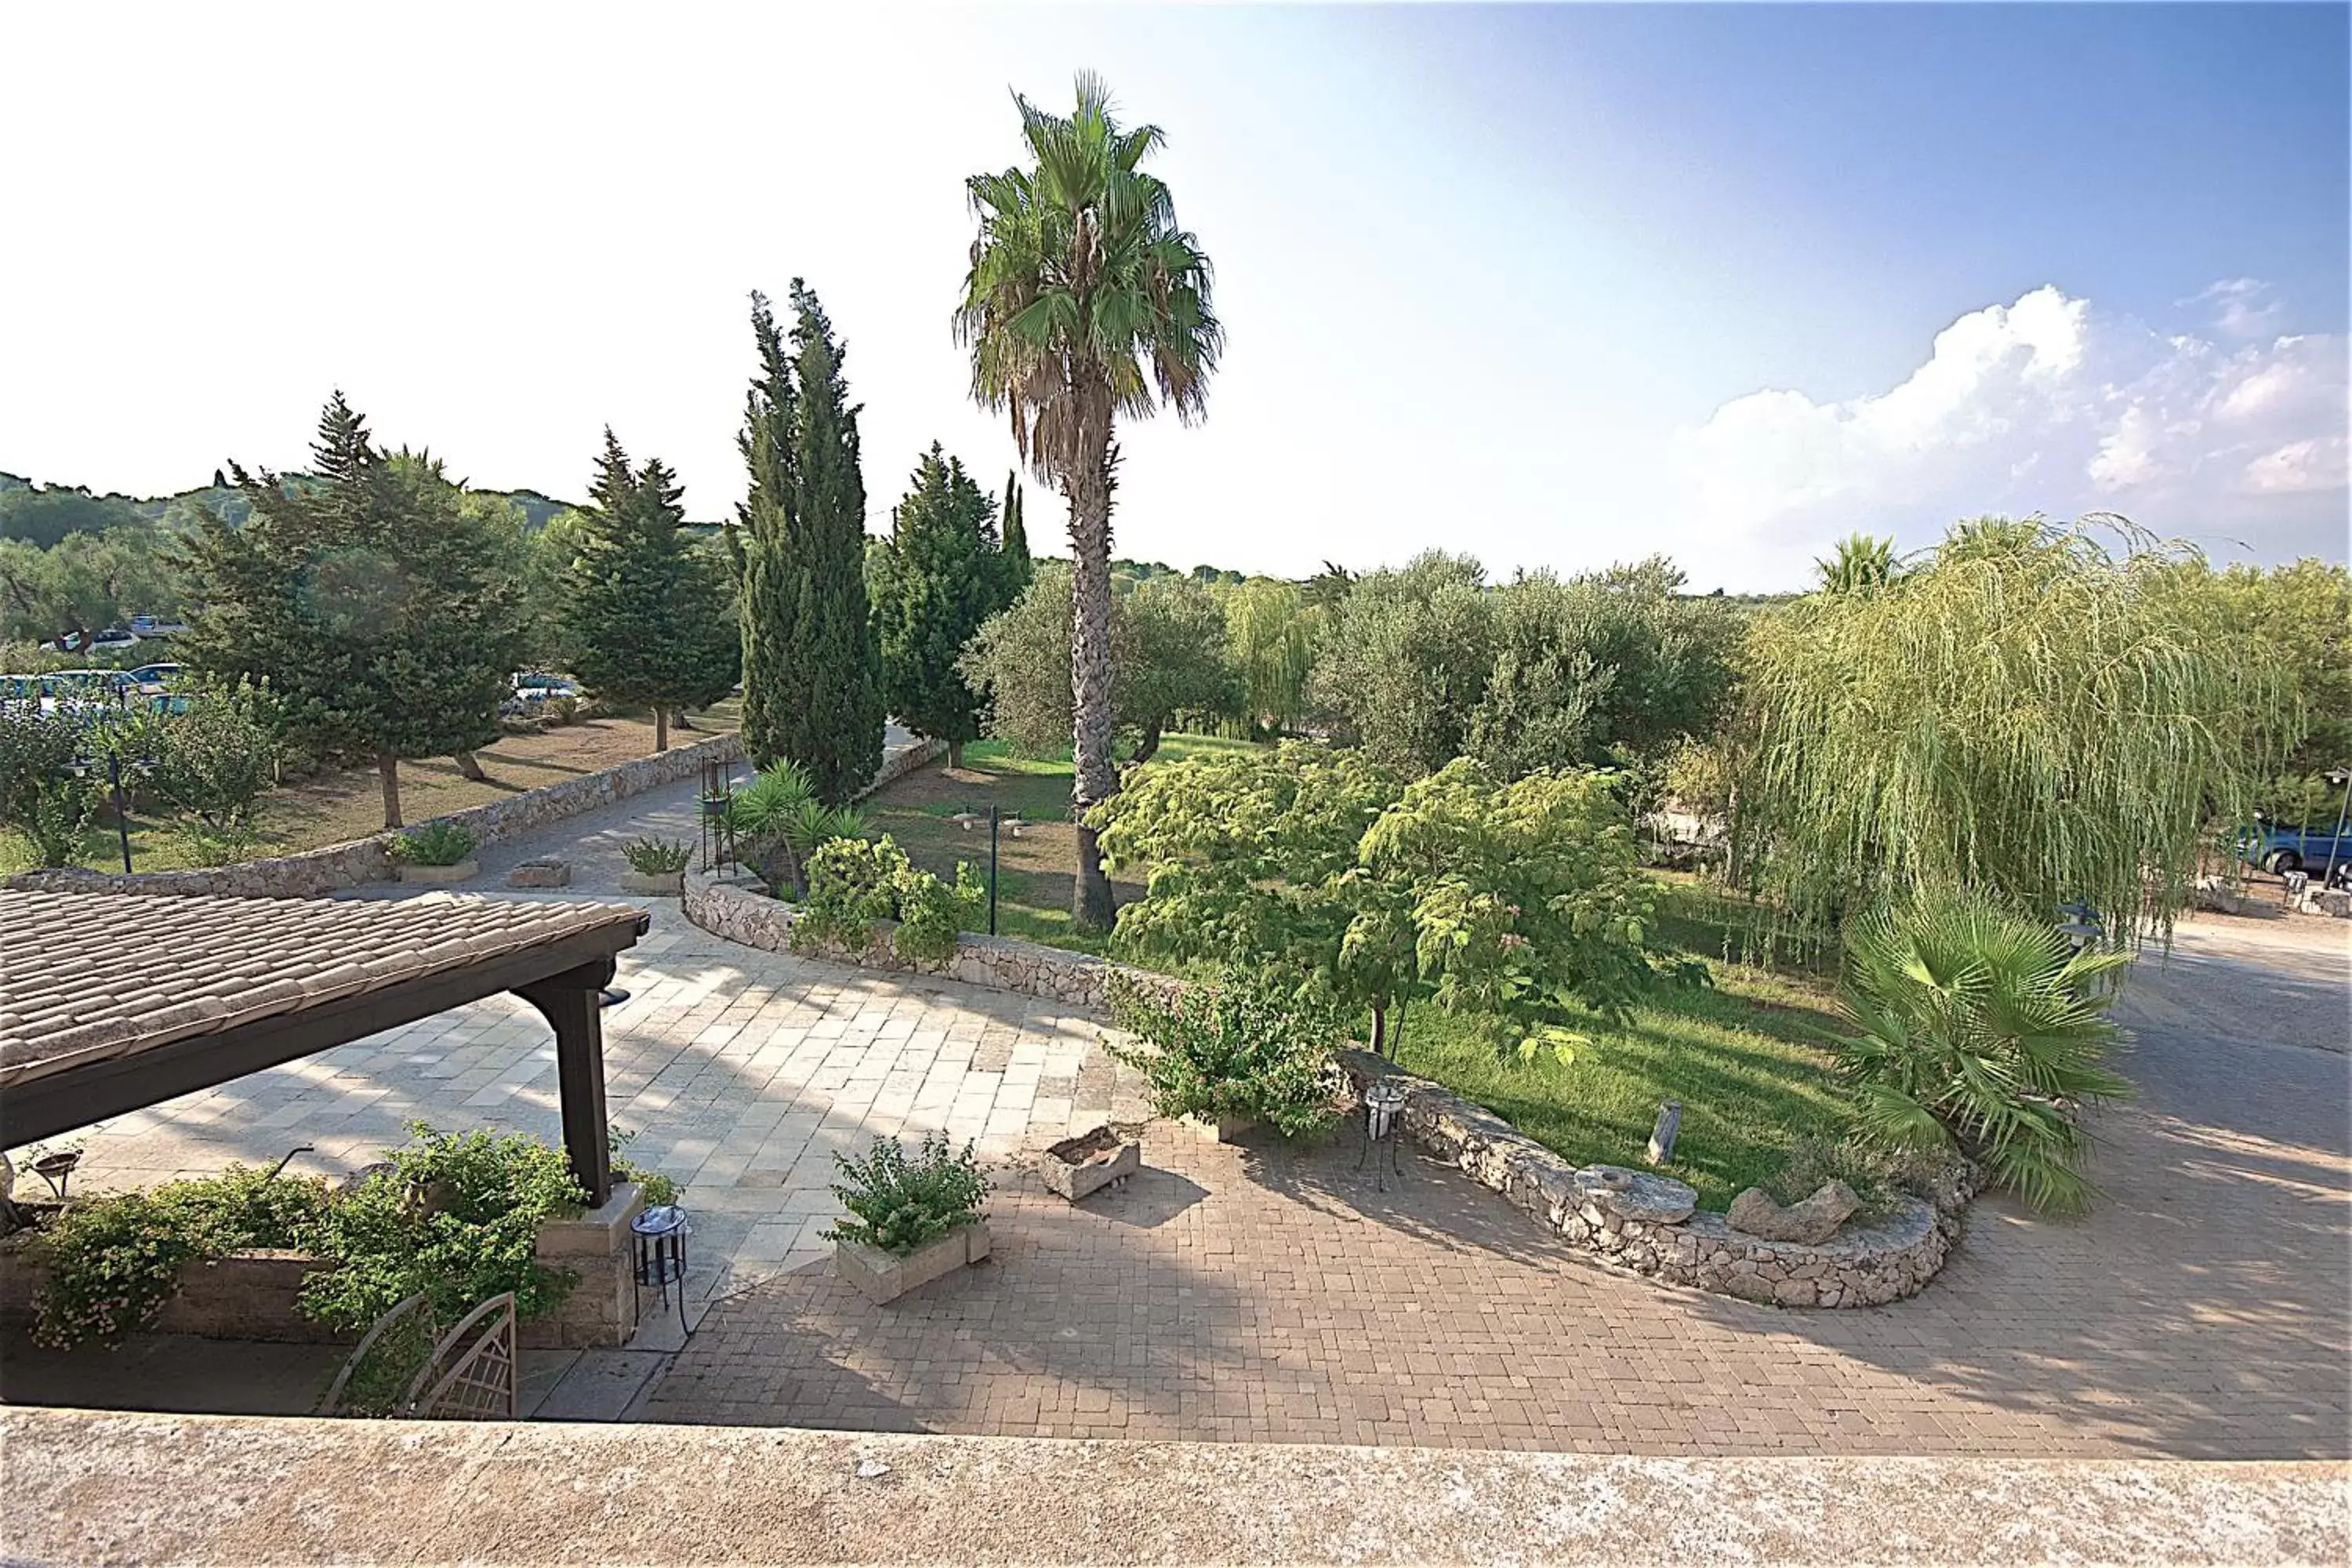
x: 86, y: 976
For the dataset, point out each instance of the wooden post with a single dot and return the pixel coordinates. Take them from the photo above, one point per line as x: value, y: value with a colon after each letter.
x: 571, y: 1004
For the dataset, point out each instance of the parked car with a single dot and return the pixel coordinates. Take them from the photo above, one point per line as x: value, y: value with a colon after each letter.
x: 538, y: 686
x: 150, y: 626
x: 2277, y: 847
x: 153, y: 677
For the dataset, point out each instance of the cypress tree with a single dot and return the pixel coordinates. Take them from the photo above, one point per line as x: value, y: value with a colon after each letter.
x: 940, y: 573
x: 1016, y: 566
x: 812, y: 669
x: 367, y: 595
x: 643, y: 609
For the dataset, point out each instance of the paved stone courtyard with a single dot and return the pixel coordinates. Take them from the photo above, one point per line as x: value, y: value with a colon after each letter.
x: 2205, y: 1309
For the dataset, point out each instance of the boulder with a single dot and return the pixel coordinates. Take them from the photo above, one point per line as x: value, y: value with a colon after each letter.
x: 1812, y: 1222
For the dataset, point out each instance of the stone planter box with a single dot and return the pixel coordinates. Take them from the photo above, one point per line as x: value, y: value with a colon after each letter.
x: 1221, y: 1129
x: 462, y: 870
x: 251, y: 1295
x: 653, y: 884
x: 884, y: 1276
x: 1090, y: 1162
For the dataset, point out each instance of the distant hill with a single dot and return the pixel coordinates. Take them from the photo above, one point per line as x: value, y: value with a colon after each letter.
x: 45, y: 514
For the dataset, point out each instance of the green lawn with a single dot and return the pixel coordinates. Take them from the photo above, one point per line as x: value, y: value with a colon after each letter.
x: 1744, y: 1058
x: 1034, y: 870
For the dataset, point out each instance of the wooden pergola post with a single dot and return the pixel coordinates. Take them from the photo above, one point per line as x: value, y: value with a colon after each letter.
x: 572, y: 1003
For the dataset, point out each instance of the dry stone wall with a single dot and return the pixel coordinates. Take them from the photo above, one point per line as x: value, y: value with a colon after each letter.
x: 1630, y: 1219
x: 315, y: 872
x: 1652, y: 1224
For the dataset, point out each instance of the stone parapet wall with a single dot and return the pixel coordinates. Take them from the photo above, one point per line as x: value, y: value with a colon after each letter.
x: 740, y: 913
x: 252, y: 1295
x: 315, y: 872
x: 896, y: 765
x: 1651, y: 1226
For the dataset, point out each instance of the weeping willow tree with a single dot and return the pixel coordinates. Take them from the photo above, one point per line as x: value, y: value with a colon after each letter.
x: 1274, y: 632
x: 2042, y: 714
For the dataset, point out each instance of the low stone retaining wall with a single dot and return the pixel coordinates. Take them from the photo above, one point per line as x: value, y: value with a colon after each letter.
x: 1650, y: 1225
x: 739, y: 913
x: 314, y: 872
x: 896, y: 765
x: 251, y: 1295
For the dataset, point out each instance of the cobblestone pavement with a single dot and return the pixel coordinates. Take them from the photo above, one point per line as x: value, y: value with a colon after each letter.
x: 1251, y: 1294
x: 739, y: 1074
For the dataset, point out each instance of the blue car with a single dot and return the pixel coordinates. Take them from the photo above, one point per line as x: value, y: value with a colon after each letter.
x: 2279, y: 848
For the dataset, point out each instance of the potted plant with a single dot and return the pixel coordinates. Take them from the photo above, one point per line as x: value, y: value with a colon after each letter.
x: 912, y: 1218
x: 656, y: 866
x: 437, y: 852
x: 1092, y: 1160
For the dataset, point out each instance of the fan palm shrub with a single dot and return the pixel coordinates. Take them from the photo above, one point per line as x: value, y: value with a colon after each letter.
x: 1086, y: 301
x: 780, y: 821
x: 1980, y: 1028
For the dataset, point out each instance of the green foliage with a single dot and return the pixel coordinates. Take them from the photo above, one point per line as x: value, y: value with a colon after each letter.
x: 643, y: 608
x: 1862, y: 564
x: 855, y: 883
x: 1246, y: 1046
x: 1275, y: 634
x: 115, y: 1258
x: 206, y: 767
x: 456, y: 1218
x: 897, y: 1203
x: 372, y: 601
x: 1979, y: 1028
x: 940, y: 574
x: 2025, y: 712
x: 1170, y: 658
x: 1506, y: 901
x: 1407, y: 660
x: 812, y: 667
x: 2300, y: 618
x: 656, y: 857
x: 41, y: 796
x: 779, y: 822
x: 85, y: 581
x: 433, y: 844
x: 44, y: 516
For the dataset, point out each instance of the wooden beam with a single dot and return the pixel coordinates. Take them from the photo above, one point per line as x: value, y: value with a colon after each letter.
x: 58, y: 1102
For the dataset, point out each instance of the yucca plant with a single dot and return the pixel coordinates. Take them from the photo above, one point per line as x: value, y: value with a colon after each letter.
x: 780, y: 821
x: 1981, y: 1029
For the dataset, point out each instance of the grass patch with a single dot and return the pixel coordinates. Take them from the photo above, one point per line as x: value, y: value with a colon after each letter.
x: 1747, y: 1059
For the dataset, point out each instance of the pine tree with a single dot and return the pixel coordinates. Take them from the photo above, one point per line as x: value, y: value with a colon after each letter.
x: 643, y: 610
x: 367, y: 597
x: 812, y: 669
x: 940, y: 573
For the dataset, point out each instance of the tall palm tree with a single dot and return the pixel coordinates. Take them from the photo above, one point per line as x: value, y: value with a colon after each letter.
x: 1084, y: 302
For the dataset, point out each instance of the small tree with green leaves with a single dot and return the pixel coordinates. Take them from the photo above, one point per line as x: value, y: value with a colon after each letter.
x: 208, y: 767
x: 42, y: 796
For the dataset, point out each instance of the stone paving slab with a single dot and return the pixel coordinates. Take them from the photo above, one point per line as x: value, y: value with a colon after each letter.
x: 737, y: 1073
x: 85, y: 1488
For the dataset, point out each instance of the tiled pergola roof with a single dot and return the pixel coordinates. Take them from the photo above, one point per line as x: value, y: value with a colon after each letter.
x: 110, y: 1002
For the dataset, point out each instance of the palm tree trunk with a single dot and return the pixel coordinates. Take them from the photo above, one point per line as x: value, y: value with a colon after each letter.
x: 1096, y: 774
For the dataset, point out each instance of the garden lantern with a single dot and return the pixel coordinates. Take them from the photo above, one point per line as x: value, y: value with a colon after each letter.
x: 1383, y: 1100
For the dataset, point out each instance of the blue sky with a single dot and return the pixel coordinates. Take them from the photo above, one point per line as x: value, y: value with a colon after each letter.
x: 1555, y: 285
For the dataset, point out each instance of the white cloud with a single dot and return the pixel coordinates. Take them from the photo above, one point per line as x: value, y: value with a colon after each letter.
x: 2240, y: 307
x: 2044, y: 405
